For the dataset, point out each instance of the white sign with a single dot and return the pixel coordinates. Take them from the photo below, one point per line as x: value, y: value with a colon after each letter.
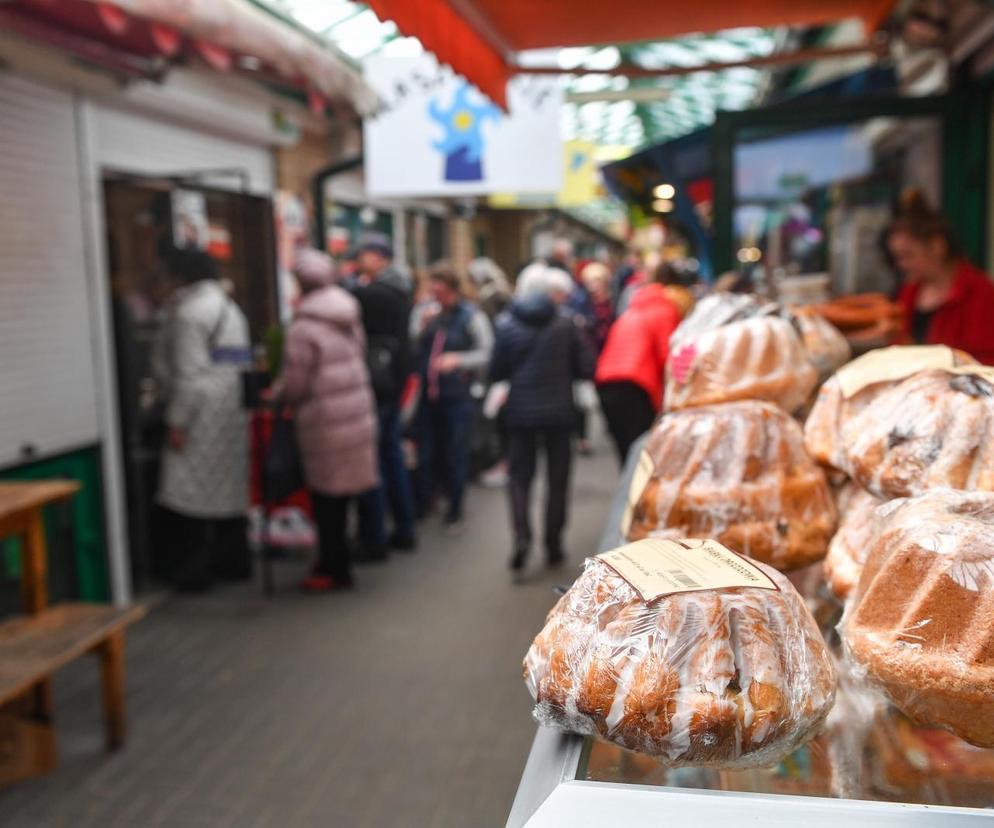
x: 440, y: 136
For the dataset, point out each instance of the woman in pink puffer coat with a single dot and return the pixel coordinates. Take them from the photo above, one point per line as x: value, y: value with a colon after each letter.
x: 326, y: 383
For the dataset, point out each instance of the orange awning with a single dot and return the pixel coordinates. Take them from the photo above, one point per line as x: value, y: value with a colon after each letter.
x: 478, y: 38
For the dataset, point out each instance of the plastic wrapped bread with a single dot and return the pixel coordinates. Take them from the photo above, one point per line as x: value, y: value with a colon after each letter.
x: 922, y: 622
x: 846, y: 395
x: 825, y: 345
x: 717, y: 309
x: 847, y: 551
x: 733, y: 677
x: 739, y: 473
x: 760, y: 358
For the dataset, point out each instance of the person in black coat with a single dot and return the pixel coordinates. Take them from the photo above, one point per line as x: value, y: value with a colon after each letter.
x: 540, y: 350
x: 384, y: 295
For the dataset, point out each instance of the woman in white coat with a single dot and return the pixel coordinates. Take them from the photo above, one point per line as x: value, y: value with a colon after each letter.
x: 203, y: 486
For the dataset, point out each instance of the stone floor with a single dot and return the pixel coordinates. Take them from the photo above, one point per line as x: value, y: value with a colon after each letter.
x: 400, y: 704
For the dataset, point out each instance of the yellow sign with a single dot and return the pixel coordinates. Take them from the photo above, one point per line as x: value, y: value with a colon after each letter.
x: 581, y: 183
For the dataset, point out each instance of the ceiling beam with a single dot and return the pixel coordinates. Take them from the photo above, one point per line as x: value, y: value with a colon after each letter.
x: 879, y: 48
x: 638, y: 94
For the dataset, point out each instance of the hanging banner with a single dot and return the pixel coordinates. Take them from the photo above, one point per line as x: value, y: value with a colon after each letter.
x: 581, y: 184
x: 438, y: 136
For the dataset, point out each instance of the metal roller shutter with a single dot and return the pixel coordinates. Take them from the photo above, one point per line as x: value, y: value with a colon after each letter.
x: 47, y: 395
x: 132, y: 142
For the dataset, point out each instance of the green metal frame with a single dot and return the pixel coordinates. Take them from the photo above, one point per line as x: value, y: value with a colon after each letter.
x: 964, y: 130
x: 86, y: 533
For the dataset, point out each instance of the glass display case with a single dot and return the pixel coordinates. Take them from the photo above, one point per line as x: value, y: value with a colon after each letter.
x: 869, y: 765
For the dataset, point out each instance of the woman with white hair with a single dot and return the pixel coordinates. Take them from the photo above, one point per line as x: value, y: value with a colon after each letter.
x: 540, y: 351
x: 326, y: 383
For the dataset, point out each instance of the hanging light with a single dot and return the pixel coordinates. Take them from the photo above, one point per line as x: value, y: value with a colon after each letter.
x: 664, y: 191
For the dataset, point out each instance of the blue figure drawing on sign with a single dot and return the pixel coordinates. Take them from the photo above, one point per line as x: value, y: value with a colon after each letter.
x: 463, y: 142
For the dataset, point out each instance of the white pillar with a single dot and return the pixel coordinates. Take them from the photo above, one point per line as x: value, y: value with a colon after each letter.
x: 102, y: 344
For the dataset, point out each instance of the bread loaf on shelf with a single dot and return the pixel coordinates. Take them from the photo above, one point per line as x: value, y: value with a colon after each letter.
x: 922, y: 621
x: 731, y: 678
x: 737, y: 472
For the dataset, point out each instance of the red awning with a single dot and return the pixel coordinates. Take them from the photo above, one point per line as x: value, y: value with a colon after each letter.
x: 477, y: 38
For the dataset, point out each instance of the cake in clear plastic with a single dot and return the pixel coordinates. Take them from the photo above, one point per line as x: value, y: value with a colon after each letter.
x: 834, y: 410
x: 730, y: 678
x: 825, y: 345
x: 847, y: 551
x: 932, y: 429
x: 760, y: 358
x: 922, y: 622
x: 737, y: 472
x: 717, y: 309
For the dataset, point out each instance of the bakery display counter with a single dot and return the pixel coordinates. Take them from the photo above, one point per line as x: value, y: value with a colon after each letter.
x: 869, y: 765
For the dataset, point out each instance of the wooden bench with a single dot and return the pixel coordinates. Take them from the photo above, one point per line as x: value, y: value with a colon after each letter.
x: 34, y: 645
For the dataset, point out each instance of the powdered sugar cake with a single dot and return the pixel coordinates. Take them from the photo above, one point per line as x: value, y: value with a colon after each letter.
x: 738, y: 473
x: 737, y: 677
x: 922, y: 623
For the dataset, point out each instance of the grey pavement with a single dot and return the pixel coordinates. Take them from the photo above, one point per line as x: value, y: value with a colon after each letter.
x: 400, y: 704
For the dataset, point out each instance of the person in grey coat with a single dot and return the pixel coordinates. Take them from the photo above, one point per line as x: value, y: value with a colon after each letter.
x: 203, y: 485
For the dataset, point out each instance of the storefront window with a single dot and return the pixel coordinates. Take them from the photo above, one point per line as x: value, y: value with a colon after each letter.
x: 818, y: 200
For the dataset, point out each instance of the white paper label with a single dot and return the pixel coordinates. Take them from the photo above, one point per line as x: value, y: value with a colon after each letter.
x: 643, y: 472
x: 893, y: 363
x: 656, y: 567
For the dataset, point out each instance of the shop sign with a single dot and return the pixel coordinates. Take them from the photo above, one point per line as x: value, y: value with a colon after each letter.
x: 439, y: 136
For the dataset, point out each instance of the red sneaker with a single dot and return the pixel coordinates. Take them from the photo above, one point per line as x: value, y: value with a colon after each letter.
x: 317, y: 582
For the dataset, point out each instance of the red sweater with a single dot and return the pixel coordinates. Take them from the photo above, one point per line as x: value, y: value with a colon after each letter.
x: 965, y: 320
x: 638, y: 342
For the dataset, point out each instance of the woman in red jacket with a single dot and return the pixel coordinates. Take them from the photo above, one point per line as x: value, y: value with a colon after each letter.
x: 946, y: 300
x: 630, y: 369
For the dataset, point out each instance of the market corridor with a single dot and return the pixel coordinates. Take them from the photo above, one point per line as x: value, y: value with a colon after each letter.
x: 400, y: 704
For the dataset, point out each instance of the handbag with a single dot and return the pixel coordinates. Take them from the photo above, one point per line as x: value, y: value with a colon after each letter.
x: 282, y: 470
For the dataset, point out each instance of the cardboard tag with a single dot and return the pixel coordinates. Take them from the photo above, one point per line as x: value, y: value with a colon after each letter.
x: 643, y: 472
x: 893, y: 363
x: 656, y: 567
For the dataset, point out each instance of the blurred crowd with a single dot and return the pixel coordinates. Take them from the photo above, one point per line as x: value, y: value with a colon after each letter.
x: 402, y: 389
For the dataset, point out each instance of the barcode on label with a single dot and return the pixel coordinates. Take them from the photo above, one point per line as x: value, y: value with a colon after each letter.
x: 684, y: 579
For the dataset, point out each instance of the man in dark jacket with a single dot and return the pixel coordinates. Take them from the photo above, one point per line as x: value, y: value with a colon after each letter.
x: 453, y: 340
x: 540, y: 350
x: 384, y: 295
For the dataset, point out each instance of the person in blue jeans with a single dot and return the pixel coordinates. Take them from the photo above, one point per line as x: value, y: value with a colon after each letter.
x: 453, y: 341
x: 384, y: 295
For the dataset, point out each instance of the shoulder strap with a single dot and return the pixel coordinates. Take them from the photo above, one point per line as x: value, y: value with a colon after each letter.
x: 219, y: 324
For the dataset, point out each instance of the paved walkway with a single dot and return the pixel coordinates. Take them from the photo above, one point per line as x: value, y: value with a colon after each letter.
x: 400, y: 704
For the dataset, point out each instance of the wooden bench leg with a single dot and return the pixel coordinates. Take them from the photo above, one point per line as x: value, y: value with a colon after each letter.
x: 34, y: 593
x: 112, y: 677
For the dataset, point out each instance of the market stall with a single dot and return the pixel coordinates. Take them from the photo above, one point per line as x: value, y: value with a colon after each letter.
x: 661, y: 703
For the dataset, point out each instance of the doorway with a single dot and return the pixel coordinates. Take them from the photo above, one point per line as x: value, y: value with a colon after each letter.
x: 144, y: 218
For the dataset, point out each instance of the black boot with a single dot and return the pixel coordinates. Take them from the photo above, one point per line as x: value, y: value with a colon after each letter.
x: 519, y: 557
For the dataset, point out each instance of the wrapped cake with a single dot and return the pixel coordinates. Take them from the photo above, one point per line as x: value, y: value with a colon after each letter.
x: 858, y: 384
x: 684, y: 651
x: 826, y: 347
x: 736, y: 472
x: 759, y: 358
x: 922, y: 622
x: 847, y: 551
x: 932, y: 429
x: 717, y: 309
